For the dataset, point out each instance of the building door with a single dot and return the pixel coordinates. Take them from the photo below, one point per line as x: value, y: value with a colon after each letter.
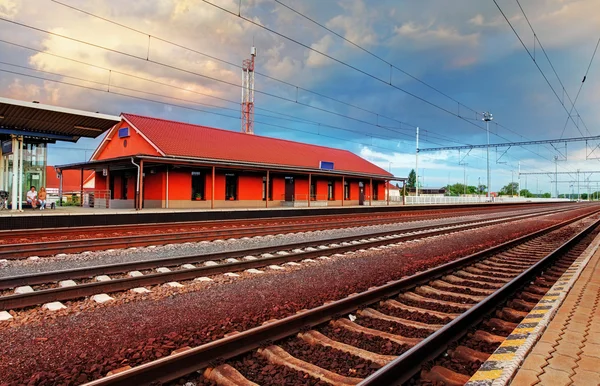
x: 361, y: 193
x: 289, y: 188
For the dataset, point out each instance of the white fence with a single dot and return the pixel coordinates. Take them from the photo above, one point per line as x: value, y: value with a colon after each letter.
x: 437, y: 200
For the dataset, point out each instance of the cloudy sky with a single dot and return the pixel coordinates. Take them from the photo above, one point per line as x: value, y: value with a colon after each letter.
x: 362, y: 80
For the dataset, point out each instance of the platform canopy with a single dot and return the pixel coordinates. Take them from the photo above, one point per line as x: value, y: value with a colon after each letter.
x: 51, y: 123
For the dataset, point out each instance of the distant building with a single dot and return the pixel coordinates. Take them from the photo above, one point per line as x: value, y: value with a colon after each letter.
x: 426, y: 191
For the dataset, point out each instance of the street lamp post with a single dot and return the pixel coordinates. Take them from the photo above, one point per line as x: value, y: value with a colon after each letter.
x: 487, y: 117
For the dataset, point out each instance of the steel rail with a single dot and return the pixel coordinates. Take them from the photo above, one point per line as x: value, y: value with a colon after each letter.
x: 179, y: 365
x: 87, y: 289
x: 16, y: 251
x: 410, y: 363
x: 76, y: 273
x: 412, y: 211
x: 20, y: 250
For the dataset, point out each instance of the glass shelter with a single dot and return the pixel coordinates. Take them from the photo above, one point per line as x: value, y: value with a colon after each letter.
x: 26, y: 129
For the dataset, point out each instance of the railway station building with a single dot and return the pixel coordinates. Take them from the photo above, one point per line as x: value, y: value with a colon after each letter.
x: 146, y: 162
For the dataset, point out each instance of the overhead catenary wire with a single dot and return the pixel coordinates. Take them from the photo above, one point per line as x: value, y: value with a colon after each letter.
x: 302, y: 44
x: 227, y: 62
x: 113, y: 92
x: 536, y: 64
x: 535, y: 36
x: 201, y: 75
x: 581, y: 85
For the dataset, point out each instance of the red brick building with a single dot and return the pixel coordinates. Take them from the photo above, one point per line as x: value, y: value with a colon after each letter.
x: 155, y: 163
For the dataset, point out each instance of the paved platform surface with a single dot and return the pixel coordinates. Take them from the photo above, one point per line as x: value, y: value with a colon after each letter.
x: 568, y: 353
x: 558, y: 342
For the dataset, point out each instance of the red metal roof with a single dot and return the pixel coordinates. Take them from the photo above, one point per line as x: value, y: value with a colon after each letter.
x: 391, y: 186
x: 188, y: 140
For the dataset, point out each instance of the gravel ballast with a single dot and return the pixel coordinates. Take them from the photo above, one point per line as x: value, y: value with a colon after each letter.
x: 115, y: 256
x: 86, y: 345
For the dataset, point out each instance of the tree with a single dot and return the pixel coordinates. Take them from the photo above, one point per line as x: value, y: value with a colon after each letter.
x: 412, y: 179
x: 546, y: 195
x: 511, y: 189
x: 482, y: 188
x: 525, y: 193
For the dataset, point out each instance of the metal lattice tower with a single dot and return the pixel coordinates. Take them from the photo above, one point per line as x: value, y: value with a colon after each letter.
x: 248, y: 93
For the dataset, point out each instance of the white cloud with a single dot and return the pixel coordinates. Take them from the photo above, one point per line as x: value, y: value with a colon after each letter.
x: 427, y: 36
x: 8, y: 8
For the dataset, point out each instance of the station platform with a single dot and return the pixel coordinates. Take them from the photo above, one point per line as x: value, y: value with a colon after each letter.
x: 75, y: 216
x: 558, y: 342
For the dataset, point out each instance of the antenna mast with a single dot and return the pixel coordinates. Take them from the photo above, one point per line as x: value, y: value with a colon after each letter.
x: 248, y: 93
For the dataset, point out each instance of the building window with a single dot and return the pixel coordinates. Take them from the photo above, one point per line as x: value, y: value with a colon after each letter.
x: 331, y: 190
x: 231, y: 186
x: 264, y: 188
x: 346, y: 190
x: 375, y: 191
x: 313, y: 189
x: 198, y: 186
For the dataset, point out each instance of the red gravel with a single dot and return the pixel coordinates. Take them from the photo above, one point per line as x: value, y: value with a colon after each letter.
x: 393, y: 327
x: 257, y: 369
x: 330, y: 359
x: 366, y: 342
x: 432, y: 306
x: 83, y: 346
x: 412, y: 315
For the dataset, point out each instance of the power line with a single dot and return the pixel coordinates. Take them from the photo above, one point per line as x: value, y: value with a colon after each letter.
x: 581, y: 85
x: 373, y: 55
x: 258, y: 91
x: 225, y: 61
x: 190, y: 108
x: 536, y: 63
x: 196, y: 74
x: 297, y: 87
x: 359, y: 70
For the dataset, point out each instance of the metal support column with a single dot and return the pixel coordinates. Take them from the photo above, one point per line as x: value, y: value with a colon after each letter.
x: 343, y: 190
x: 212, y: 194
x: 309, y: 185
x: 417, y: 166
x: 15, y: 173
x: 60, y: 188
x: 107, y: 198
x: 267, y: 191
x: 20, y: 191
x: 141, y: 195
x: 81, y: 189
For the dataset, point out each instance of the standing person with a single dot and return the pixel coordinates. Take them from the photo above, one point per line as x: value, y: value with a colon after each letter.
x: 42, y: 198
x: 32, y: 197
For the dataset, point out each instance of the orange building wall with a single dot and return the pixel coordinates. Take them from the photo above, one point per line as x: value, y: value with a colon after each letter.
x: 301, y: 188
x: 278, y: 187
x: 180, y: 185
x: 250, y: 187
x: 154, y: 186
x: 353, y: 190
x: 338, y: 190
x: 100, y: 182
x: 208, y: 185
x: 322, y: 186
x: 114, y: 147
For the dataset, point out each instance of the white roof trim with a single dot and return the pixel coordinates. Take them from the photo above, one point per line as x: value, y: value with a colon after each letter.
x: 64, y: 110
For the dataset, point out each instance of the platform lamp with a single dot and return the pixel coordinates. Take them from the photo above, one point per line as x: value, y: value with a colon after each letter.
x: 487, y: 117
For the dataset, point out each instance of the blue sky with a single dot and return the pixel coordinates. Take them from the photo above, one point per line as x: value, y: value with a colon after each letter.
x: 463, y: 48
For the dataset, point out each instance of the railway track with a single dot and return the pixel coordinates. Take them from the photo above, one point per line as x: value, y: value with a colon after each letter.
x: 36, y: 289
x: 380, y: 336
x: 159, y: 234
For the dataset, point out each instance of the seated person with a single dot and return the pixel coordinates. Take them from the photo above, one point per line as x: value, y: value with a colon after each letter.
x: 32, y: 197
x: 42, y: 198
